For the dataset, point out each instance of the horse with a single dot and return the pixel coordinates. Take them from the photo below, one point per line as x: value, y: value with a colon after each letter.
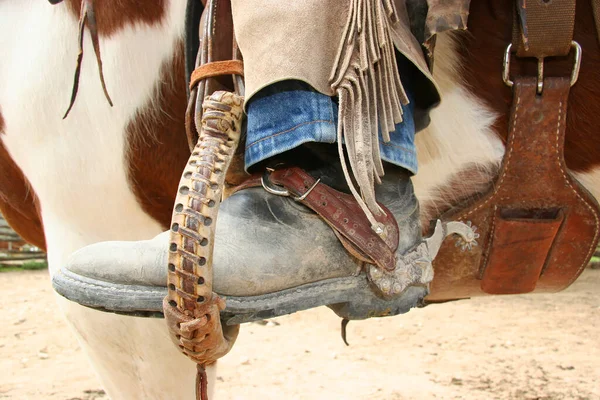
x: 111, y: 173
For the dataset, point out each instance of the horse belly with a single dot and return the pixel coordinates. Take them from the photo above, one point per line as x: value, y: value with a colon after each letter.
x: 77, y: 167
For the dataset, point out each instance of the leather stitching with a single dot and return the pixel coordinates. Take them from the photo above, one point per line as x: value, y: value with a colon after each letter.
x: 560, y: 119
x: 489, y: 244
x: 587, y: 204
x: 508, y: 157
x: 214, y: 16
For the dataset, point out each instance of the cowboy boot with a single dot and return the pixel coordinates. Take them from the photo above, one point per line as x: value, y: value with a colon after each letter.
x: 272, y: 256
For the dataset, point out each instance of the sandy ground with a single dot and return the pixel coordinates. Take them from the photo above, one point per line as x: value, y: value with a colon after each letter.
x: 519, y: 347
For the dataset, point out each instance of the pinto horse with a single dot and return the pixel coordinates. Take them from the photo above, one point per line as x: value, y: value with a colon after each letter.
x: 112, y: 173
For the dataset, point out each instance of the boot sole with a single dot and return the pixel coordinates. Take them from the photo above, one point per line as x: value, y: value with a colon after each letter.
x: 350, y: 297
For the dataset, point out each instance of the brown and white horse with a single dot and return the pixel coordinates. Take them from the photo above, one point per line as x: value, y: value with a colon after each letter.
x: 111, y: 173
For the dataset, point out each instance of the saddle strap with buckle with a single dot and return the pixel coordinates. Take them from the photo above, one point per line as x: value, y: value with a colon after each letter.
x: 538, y: 227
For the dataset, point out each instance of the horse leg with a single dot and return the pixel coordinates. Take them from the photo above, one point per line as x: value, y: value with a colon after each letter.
x: 133, y: 357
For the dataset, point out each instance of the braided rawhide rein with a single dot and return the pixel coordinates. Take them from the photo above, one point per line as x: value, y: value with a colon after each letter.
x: 192, y: 310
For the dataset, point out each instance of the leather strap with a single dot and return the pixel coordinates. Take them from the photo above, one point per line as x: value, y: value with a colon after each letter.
x: 191, y: 308
x: 507, y: 268
x: 217, y: 43
x: 213, y: 128
x: 543, y: 28
x: 216, y: 68
x: 342, y: 212
x: 193, y: 13
x: 534, y: 192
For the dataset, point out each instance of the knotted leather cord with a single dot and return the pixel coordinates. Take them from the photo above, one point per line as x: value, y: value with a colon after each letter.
x: 87, y: 17
x: 366, y: 80
x: 201, y: 383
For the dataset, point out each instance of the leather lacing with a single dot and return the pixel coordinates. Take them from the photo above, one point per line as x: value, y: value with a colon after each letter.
x: 192, y: 310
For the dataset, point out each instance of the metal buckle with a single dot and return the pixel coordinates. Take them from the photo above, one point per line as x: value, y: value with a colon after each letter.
x: 280, y: 190
x: 540, y: 75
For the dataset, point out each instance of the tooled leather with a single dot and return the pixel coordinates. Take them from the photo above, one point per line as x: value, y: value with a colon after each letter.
x: 342, y: 212
x: 533, y: 177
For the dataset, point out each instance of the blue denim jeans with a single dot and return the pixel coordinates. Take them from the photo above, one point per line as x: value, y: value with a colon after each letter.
x: 287, y: 114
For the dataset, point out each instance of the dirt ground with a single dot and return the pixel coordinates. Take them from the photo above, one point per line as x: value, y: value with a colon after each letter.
x: 519, y: 347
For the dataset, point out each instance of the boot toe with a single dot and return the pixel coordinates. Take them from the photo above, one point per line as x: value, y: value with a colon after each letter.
x: 135, y: 263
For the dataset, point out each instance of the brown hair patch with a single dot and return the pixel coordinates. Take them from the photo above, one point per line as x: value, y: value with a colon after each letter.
x: 18, y: 202
x: 111, y: 16
x: 158, y: 148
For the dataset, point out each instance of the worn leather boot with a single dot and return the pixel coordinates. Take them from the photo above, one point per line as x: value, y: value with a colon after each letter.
x: 272, y: 256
